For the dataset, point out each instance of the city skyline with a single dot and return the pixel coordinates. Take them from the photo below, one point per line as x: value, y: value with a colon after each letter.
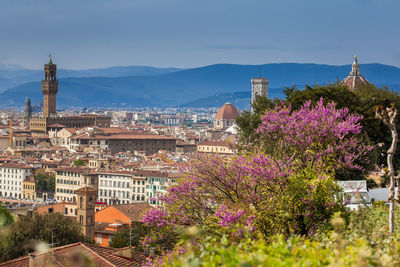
x: 186, y: 34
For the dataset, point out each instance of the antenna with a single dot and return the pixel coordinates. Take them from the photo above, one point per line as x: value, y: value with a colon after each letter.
x: 259, y: 71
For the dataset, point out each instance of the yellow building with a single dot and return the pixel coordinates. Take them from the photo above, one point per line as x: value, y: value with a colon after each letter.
x: 217, y: 147
x: 29, y: 189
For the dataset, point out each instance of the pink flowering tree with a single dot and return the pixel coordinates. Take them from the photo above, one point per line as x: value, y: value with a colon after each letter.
x: 314, y: 136
x: 284, y: 186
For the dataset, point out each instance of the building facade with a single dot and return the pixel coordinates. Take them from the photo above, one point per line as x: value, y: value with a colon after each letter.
x: 125, y: 142
x: 115, y: 187
x: 157, y: 183
x: 216, y: 147
x: 70, y: 179
x: 29, y: 189
x: 12, y: 177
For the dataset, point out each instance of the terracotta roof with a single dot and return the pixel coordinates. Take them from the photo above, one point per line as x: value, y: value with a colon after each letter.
x: 351, y: 82
x: 74, y: 169
x: 123, y: 136
x: 56, y: 125
x: 227, y: 112
x: 15, y: 166
x: 133, y: 210
x: 215, y: 143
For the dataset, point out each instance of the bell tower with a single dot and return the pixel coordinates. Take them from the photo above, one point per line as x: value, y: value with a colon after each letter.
x: 85, y: 210
x: 49, y: 89
x: 259, y: 87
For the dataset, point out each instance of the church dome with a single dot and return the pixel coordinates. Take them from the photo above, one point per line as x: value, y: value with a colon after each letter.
x: 227, y: 112
x: 355, y: 79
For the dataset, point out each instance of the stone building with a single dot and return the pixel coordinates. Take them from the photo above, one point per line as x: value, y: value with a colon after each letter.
x: 259, y: 87
x: 355, y: 78
x: 150, y: 143
x: 85, y: 209
x: 49, y: 89
x: 41, y: 125
x: 226, y: 116
x: 27, y: 111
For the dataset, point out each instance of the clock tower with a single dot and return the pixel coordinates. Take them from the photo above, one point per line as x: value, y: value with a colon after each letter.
x: 49, y: 89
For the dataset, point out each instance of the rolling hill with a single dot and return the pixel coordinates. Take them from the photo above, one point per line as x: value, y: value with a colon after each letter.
x: 182, y: 87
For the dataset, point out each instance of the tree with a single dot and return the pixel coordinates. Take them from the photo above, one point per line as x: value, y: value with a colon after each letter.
x: 79, y: 162
x: 21, y: 237
x: 248, y: 122
x: 135, y: 233
x: 5, y: 217
x: 284, y: 185
x: 362, y: 101
x: 45, y: 182
x: 389, y: 117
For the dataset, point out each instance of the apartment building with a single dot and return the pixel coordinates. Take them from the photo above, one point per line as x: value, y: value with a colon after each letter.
x: 121, y: 187
x: 115, y: 187
x: 70, y: 179
x: 157, y: 183
x: 12, y: 177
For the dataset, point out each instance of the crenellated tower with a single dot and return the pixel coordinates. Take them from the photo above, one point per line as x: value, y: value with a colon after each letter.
x: 49, y: 89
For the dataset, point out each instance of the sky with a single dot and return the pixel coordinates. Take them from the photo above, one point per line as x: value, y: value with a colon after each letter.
x: 190, y: 33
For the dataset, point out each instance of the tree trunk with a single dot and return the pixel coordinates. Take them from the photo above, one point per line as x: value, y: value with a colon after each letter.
x: 389, y: 117
x: 390, y: 152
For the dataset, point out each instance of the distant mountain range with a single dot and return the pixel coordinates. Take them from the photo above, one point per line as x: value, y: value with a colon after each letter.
x: 14, y: 75
x: 207, y: 86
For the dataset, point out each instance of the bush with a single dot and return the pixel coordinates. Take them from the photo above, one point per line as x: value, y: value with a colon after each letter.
x: 338, y: 248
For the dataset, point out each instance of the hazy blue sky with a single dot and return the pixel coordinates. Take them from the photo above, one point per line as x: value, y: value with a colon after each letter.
x: 188, y: 33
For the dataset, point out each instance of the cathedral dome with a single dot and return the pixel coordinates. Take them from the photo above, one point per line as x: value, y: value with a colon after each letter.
x: 227, y: 112
x: 355, y: 78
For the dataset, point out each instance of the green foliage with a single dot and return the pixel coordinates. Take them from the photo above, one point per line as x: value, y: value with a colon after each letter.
x: 301, y: 208
x: 371, y: 183
x: 248, y: 122
x: 385, y: 180
x: 363, y: 101
x: 79, y: 162
x: 372, y: 223
x: 135, y: 233
x: 346, y: 245
x: 45, y: 182
x: 25, y: 234
x: 5, y: 217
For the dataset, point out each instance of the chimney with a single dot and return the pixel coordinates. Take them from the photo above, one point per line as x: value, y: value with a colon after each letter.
x: 31, y: 260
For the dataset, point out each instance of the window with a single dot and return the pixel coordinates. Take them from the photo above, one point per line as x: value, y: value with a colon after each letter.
x: 99, y: 238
